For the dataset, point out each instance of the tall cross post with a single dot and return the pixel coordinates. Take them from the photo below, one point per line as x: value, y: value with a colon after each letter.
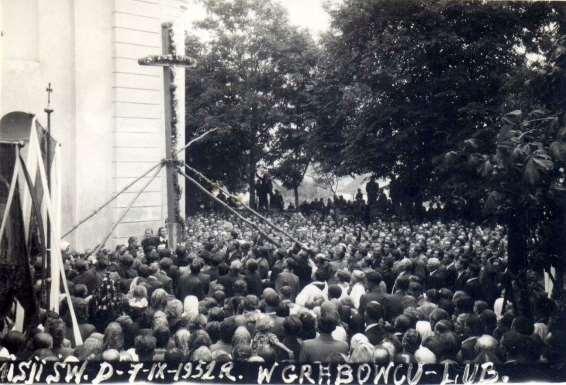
x: 168, y: 60
x: 45, y: 260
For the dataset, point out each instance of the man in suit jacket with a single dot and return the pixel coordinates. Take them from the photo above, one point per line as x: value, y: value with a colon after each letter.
x: 392, y: 303
x: 376, y: 328
x: 323, y: 348
x: 192, y: 283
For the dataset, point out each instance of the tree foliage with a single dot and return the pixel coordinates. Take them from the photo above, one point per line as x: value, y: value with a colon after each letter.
x: 519, y: 162
x: 250, y: 76
x: 404, y: 82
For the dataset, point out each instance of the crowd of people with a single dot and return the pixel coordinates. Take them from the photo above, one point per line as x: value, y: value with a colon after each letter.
x: 389, y: 291
x: 361, y: 208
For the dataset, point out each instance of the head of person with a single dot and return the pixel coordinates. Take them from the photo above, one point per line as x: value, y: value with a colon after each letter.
x: 381, y: 356
x: 327, y: 323
x: 309, y: 328
x: 113, y: 336
x: 488, y: 320
x: 145, y: 347
x: 201, y: 354
x: 358, y: 339
x: 362, y: 353
x: 522, y: 325
x: 374, y: 312
x: 373, y: 279
x: 292, y: 326
x: 425, y: 356
x: 411, y: 341
x: 200, y: 338
x: 162, y: 335
x: 182, y: 340
x: 334, y: 292
x: 227, y: 329
x: 241, y: 352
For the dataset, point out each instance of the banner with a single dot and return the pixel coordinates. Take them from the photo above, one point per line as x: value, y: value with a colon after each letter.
x: 93, y: 372
x: 15, y: 272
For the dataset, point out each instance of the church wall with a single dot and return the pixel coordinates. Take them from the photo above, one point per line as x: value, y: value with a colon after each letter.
x: 108, y: 110
x: 94, y: 111
x: 27, y: 77
x: 138, y: 119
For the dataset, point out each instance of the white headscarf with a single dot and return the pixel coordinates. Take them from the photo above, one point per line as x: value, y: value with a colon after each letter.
x: 190, y: 306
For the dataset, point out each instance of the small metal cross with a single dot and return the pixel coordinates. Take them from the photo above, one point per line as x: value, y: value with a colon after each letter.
x: 49, y: 90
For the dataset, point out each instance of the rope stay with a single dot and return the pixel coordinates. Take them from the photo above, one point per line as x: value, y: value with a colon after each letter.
x: 226, y: 206
x: 125, y: 212
x: 129, y: 185
x: 254, y: 212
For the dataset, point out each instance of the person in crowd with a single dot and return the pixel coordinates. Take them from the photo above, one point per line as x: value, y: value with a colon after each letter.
x: 372, y: 189
x: 324, y: 348
x: 426, y: 292
x: 264, y: 190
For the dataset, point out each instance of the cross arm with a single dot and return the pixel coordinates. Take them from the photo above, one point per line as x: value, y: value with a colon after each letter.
x: 165, y: 61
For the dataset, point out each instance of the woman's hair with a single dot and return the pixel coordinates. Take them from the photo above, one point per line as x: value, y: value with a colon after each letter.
x: 241, y: 336
x: 362, y: 352
x: 139, y: 291
x: 56, y: 327
x: 200, y: 338
x: 202, y: 353
x: 158, y: 299
x: 358, y: 339
x: 241, y: 352
x: 309, y: 326
x: 182, y: 340
x: 264, y: 323
x: 113, y: 337
x: 174, y: 309
x: 14, y: 341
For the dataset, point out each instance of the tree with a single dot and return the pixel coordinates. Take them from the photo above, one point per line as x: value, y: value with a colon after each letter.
x: 407, y: 81
x: 518, y: 180
x: 518, y: 166
x: 326, y: 180
x: 248, y: 76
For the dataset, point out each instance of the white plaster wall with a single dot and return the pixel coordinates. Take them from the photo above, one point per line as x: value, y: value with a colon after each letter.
x: 139, y: 113
x: 26, y: 80
x: 108, y: 110
x: 74, y: 53
x: 138, y: 105
x: 94, y: 138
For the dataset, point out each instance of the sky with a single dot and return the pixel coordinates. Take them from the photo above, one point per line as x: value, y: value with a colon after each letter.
x: 303, y: 13
x: 307, y: 13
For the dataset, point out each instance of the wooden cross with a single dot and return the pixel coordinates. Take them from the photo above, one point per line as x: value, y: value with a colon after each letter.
x: 167, y: 61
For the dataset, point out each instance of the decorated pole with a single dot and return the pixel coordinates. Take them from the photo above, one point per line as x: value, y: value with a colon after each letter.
x: 45, y: 262
x: 167, y: 60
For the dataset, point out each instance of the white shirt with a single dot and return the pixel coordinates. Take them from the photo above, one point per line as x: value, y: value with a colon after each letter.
x: 424, y: 329
x: 309, y: 293
x: 357, y: 291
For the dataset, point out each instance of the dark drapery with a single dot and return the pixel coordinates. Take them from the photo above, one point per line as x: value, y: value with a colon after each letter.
x: 15, y: 271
